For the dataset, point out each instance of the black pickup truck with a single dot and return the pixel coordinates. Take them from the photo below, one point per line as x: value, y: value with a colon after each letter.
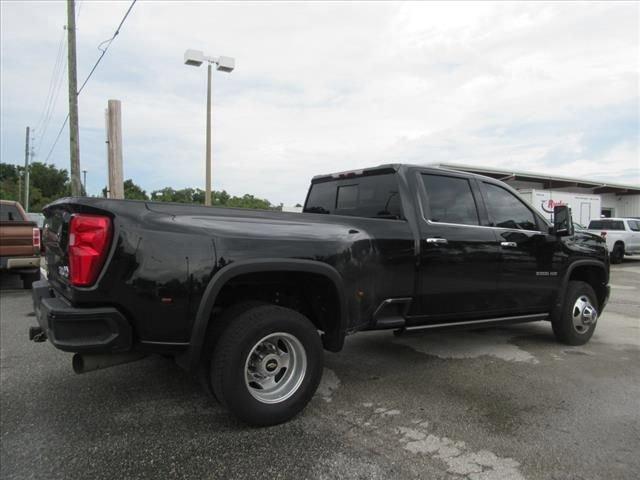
x: 247, y: 300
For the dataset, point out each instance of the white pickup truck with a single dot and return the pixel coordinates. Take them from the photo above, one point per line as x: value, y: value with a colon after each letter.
x: 622, y: 236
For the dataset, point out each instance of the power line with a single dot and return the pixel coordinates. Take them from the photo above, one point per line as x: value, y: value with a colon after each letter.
x: 55, y: 142
x: 108, y: 42
x: 104, y: 51
x: 53, y: 103
x: 52, y: 82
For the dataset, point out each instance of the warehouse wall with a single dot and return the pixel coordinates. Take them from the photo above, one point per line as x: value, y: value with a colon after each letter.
x: 622, y: 205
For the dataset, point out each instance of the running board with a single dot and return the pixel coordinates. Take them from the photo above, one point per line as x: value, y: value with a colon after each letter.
x: 514, y: 319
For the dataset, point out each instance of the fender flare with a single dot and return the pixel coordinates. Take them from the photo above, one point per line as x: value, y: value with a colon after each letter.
x: 226, y: 273
x: 565, y: 279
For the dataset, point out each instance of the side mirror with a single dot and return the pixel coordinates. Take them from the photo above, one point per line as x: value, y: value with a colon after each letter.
x: 562, y: 221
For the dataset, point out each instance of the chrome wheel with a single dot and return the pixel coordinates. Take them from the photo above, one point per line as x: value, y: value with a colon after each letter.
x: 584, y: 314
x: 275, y: 367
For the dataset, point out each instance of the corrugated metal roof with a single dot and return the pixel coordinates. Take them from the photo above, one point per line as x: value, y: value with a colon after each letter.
x: 550, y: 181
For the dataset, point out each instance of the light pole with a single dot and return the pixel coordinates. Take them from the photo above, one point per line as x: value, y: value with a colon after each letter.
x: 195, y: 58
x: 84, y: 182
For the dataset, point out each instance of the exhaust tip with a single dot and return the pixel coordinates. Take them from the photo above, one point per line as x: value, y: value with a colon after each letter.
x: 83, y: 363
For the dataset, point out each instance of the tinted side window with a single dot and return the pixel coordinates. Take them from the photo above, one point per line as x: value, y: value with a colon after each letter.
x: 507, y: 210
x: 9, y: 213
x: 634, y: 225
x: 595, y: 225
x: 373, y: 196
x: 450, y: 200
x: 606, y: 225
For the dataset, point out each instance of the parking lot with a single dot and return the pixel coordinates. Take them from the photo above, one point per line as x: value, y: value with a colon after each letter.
x: 506, y: 403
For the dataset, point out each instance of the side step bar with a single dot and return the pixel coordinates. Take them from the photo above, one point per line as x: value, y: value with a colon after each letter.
x: 392, y: 314
x: 513, y: 319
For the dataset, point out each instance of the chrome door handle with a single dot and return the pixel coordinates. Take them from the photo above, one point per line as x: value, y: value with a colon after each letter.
x: 509, y: 244
x: 436, y: 240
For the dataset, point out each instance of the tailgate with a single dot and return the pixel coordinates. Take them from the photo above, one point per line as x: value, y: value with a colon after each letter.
x: 16, y: 239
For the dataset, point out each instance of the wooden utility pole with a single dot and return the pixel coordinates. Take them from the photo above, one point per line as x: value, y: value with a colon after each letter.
x: 114, y: 149
x: 207, y: 189
x: 74, y: 140
x: 26, y: 173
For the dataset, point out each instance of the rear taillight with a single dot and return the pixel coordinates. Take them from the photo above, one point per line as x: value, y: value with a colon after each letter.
x: 36, y: 239
x: 89, y: 238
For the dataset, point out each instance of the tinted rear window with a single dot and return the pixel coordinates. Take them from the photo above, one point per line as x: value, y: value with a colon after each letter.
x: 9, y: 213
x: 606, y: 225
x: 374, y: 196
x: 634, y: 225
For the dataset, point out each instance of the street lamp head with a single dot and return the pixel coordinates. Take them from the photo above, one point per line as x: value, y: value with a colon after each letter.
x: 195, y: 58
x: 226, y: 64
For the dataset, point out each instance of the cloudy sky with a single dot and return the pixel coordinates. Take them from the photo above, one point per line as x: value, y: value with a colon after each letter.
x: 320, y: 87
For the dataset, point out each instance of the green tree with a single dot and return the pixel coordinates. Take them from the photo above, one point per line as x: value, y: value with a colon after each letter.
x: 219, y: 198
x: 9, y: 178
x: 46, y: 183
x: 9, y: 172
x: 183, y: 196
x: 249, y: 201
x: 52, y: 182
x: 133, y: 191
x: 165, y: 194
x: 198, y: 196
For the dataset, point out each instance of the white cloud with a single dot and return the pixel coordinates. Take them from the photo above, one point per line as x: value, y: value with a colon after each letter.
x: 330, y: 86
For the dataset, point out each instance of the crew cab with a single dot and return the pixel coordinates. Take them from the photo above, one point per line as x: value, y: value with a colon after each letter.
x: 19, y: 243
x: 247, y: 300
x: 621, y: 234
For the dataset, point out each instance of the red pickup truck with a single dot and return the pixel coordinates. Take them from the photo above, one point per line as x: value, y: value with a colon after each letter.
x: 19, y: 243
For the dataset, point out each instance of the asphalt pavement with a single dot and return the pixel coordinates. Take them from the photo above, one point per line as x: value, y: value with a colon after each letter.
x: 503, y: 403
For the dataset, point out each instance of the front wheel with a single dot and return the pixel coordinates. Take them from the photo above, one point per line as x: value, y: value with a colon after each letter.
x: 267, y: 365
x: 576, y: 322
x: 617, y: 255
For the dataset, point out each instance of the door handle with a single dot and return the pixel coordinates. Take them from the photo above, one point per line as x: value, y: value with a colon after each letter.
x: 509, y: 244
x: 436, y: 240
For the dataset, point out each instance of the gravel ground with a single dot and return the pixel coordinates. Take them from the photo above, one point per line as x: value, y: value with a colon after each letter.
x: 507, y: 403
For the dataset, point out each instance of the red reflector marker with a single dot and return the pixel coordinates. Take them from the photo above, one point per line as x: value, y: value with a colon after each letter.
x: 36, y: 238
x: 89, y: 238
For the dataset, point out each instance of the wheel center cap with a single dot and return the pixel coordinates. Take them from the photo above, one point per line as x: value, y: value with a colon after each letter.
x: 271, y: 365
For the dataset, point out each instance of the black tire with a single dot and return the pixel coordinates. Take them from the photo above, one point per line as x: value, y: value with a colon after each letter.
x: 234, y: 349
x: 618, y: 253
x: 214, y: 332
x: 563, y: 325
x: 28, y: 279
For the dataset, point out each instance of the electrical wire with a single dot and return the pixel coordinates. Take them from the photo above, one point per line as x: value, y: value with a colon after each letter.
x: 52, y: 82
x: 52, y: 106
x: 108, y: 42
x: 55, y: 142
x: 104, y: 51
